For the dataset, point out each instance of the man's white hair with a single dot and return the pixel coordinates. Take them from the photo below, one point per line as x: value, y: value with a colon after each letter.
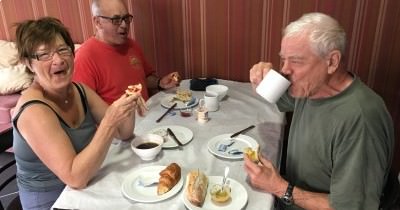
x: 324, y: 33
x: 95, y: 7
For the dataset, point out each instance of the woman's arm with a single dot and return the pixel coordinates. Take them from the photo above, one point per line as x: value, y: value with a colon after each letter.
x: 41, y: 128
x: 127, y: 104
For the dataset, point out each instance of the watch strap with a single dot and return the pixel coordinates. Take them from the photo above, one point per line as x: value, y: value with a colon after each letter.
x: 287, y: 198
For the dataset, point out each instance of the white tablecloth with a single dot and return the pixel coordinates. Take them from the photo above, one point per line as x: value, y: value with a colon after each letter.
x: 242, y: 107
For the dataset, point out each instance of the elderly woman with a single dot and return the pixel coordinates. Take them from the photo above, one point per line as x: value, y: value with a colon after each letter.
x: 62, y: 130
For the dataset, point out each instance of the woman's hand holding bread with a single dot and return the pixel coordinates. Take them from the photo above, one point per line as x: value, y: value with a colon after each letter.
x: 137, y: 89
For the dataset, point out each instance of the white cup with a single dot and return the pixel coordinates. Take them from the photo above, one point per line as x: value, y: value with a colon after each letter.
x: 211, y: 101
x: 273, y: 86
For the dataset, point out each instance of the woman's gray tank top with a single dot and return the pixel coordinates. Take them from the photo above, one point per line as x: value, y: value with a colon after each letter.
x: 32, y: 174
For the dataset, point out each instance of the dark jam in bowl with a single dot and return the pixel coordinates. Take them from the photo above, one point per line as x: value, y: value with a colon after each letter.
x: 147, y: 145
x: 186, y: 113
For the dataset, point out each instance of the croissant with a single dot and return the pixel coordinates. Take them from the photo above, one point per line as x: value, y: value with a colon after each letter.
x: 168, y: 178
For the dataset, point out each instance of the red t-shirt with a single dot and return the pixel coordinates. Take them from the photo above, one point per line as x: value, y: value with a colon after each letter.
x: 109, y: 70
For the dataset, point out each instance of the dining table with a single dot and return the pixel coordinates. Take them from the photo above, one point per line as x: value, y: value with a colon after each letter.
x: 240, y: 108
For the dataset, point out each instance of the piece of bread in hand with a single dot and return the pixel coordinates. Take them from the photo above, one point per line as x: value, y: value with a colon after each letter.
x: 137, y: 89
x: 133, y: 89
x: 169, y: 177
x: 176, y: 77
x: 252, y: 153
x: 196, y: 190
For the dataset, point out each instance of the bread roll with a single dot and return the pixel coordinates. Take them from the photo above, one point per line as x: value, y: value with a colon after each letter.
x: 137, y: 89
x: 176, y: 77
x: 252, y: 154
x: 168, y: 178
x: 133, y: 89
x: 196, y: 188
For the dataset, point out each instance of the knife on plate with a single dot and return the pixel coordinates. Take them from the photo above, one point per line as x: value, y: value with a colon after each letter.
x: 169, y: 131
x: 242, y: 131
x: 166, y: 112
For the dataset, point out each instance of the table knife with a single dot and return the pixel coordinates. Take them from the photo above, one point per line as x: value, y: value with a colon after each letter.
x: 242, y: 131
x: 169, y: 131
x: 166, y: 112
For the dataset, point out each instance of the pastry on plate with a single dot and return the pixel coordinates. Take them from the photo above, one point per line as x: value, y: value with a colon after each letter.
x: 169, y: 177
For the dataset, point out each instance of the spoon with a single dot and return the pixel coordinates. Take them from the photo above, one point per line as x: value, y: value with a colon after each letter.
x: 225, y: 175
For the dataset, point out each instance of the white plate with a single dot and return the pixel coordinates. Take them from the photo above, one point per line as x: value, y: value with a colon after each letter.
x: 184, y: 135
x: 167, y: 102
x: 238, y: 196
x: 241, y: 142
x: 135, y: 192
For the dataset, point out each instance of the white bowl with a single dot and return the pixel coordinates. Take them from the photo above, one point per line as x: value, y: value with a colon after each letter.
x: 221, y: 90
x: 147, y: 146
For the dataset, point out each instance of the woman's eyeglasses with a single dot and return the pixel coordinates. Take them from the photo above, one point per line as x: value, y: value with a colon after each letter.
x: 117, y: 20
x: 46, y: 56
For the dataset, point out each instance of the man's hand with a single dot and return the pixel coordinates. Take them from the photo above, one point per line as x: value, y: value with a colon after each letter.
x: 258, y: 71
x: 264, y: 176
x: 170, y: 80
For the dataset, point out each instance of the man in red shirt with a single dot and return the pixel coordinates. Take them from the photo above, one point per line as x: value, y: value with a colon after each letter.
x: 111, y: 61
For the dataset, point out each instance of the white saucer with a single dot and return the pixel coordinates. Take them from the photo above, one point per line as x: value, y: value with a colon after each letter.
x: 168, y: 101
x: 184, y: 135
x: 135, y: 192
x: 241, y: 142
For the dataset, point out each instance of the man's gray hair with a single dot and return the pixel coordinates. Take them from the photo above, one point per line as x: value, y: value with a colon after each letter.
x: 95, y: 7
x: 324, y: 33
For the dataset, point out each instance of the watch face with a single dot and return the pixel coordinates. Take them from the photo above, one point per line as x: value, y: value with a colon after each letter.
x: 287, y: 200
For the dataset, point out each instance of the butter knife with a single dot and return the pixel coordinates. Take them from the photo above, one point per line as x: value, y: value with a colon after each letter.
x: 169, y: 131
x: 242, y: 131
x: 166, y: 112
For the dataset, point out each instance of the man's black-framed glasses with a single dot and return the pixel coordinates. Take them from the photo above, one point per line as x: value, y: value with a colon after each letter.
x: 46, y: 56
x: 117, y: 20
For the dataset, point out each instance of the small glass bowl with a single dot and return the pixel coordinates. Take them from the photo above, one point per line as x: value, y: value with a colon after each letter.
x: 220, y: 194
x: 187, y: 112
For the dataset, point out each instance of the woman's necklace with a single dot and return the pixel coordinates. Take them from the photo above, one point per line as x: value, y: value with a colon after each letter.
x: 66, y: 100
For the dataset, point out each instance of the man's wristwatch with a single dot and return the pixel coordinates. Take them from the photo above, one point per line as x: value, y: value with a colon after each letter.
x: 287, y: 198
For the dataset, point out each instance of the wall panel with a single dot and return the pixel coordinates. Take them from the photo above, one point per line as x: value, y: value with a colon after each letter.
x: 224, y: 38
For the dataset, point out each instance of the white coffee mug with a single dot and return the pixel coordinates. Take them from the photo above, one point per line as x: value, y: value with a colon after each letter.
x: 211, y: 101
x: 273, y: 86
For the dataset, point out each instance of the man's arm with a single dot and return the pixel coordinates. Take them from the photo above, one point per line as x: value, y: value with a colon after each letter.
x: 267, y: 178
x: 310, y: 200
x: 155, y: 83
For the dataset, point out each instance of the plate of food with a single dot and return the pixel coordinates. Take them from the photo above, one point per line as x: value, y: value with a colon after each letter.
x: 183, y: 134
x: 183, y: 99
x: 166, y: 181
x: 231, y: 148
x: 199, y: 193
